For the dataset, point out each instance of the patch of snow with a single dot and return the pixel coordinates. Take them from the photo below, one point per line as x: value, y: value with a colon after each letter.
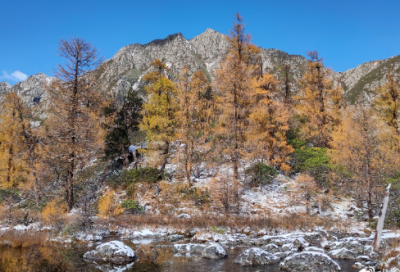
x: 136, y: 85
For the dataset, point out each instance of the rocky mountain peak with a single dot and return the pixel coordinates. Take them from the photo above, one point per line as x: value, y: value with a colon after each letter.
x: 4, y: 86
x: 123, y: 72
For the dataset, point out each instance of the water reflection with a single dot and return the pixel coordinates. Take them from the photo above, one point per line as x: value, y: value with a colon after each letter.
x: 152, y: 258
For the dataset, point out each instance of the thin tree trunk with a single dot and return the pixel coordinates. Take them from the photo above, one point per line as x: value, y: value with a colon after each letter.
x: 31, y: 156
x: 165, y: 156
x: 9, y: 167
x: 70, y: 186
x: 235, y: 152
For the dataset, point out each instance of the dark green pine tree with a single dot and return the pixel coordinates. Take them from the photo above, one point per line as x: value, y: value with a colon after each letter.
x: 124, y: 130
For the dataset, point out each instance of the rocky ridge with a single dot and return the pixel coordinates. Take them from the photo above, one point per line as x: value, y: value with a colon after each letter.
x: 123, y: 72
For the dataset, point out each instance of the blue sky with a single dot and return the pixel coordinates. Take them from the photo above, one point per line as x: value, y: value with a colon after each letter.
x: 346, y: 33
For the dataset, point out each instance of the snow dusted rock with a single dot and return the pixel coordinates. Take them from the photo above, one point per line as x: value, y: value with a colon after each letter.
x: 299, y: 244
x: 314, y: 249
x: 310, y: 262
x: 175, y: 237
x: 256, y: 256
x: 271, y: 248
x: 214, y: 251
x: 358, y: 265
x: 113, y: 252
x: 286, y: 247
x: 282, y: 255
x: 184, y: 215
x: 313, y: 237
x: 355, y: 246
x: 343, y: 254
x: 189, y: 248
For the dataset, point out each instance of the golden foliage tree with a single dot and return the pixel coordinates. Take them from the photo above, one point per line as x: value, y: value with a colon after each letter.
x: 74, y: 132
x: 387, y: 103
x: 193, y: 115
x: 25, y: 139
x: 13, y: 169
x: 269, y: 122
x: 233, y: 82
x: 159, y: 112
x: 109, y: 205
x: 316, y: 101
x: 357, y: 147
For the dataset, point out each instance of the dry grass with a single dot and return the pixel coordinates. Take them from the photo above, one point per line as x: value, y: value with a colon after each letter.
x: 391, y: 255
x: 23, y: 239
x: 235, y: 223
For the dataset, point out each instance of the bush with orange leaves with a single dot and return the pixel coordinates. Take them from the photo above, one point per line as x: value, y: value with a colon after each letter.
x: 222, y: 193
x: 53, y: 212
x: 109, y: 205
x: 306, y: 188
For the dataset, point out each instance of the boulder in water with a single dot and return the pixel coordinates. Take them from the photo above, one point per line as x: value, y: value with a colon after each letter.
x: 256, y: 256
x: 214, y: 251
x: 310, y: 262
x: 112, y: 252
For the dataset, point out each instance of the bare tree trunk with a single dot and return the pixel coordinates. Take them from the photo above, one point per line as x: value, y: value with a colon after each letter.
x: 369, y: 205
x: 187, y: 165
x: 235, y: 152
x: 165, y: 156
x: 70, y: 187
x: 9, y: 167
x: 381, y: 221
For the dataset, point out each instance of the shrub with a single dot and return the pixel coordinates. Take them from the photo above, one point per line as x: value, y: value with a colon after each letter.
x: 132, y: 206
x: 109, y: 206
x: 7, y: 194
x: 312, y: 160
x: 126, y: 177
x: 218, y: 230
x: 306, y: 189
x: 198, y: 196
x: 53, y: 211
x: 260, y: 174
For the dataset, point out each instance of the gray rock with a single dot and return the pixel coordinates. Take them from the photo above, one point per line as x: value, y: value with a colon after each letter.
x: 112, y: 252
x: 355, y: 246
x: 310, y: 262
x: 282, y: 255
x: 286, y: 247
x: 4, y: 87
x: 299, y: 244
x: 358, y: 265
x: 256, y: 256
x: 189, y: 248
x: 271, y: 248
x: 314, y: 249
x: 343, y: 254
x: 214, y: 251
x: 175, y: 237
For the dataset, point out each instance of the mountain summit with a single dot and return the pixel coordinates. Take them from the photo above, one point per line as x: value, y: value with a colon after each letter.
x: 206, y: 51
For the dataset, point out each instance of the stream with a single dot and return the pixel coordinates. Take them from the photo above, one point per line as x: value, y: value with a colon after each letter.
x: 154, y: 256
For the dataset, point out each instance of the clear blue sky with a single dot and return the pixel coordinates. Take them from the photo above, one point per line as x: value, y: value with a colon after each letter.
x: 345, y: 32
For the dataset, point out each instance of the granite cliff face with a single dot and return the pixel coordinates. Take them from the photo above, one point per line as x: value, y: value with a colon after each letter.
x: 124, y: 71
x: 32, y: 92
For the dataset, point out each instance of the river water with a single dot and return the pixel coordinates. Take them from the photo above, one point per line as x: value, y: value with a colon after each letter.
x: 152, y: 258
